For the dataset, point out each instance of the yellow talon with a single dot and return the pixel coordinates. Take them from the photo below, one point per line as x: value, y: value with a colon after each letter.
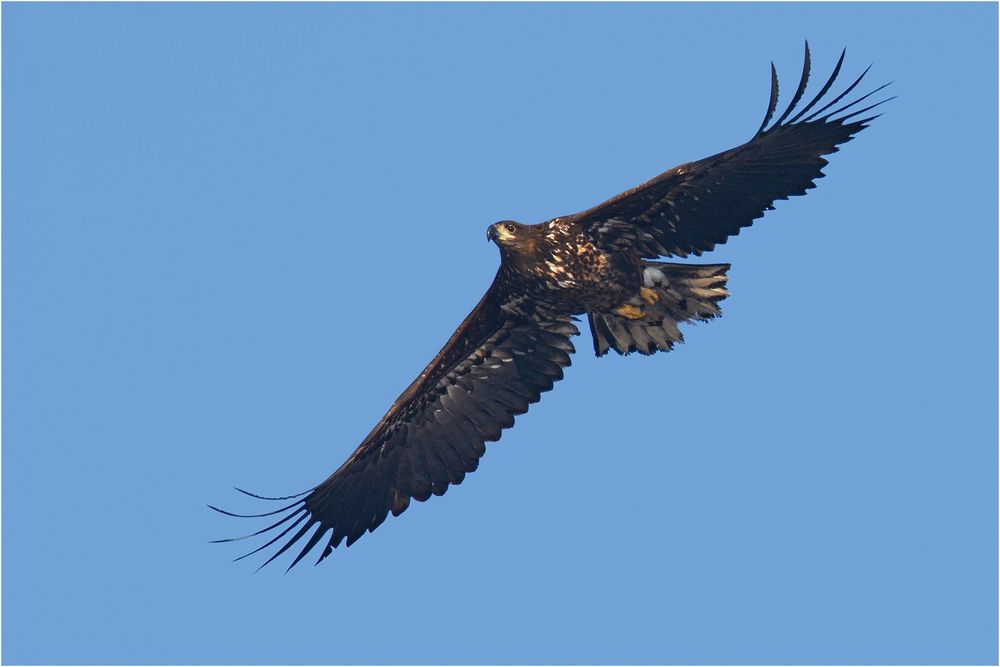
x: 629, y: 311
x: 648, y: 295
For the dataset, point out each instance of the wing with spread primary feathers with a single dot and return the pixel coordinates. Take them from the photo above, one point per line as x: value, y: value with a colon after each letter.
x: 492, y: 368
x: 693, y: 207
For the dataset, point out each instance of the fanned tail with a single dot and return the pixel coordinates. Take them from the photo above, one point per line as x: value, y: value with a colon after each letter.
x: 672, y: 293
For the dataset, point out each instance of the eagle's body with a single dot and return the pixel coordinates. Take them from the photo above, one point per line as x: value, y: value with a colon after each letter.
x: 558, y: 266
x: 516, y: 342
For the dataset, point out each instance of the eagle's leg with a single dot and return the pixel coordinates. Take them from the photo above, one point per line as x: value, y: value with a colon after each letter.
x: 633, y: 311
x: 630, y: 312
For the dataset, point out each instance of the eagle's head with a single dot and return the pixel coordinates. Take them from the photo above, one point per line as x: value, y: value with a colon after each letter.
x: 510, y: 235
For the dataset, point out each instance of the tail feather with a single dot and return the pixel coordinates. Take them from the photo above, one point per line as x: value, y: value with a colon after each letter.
x: 683, y: 293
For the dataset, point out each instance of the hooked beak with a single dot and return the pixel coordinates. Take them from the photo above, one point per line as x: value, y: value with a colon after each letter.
x: 491, y: 233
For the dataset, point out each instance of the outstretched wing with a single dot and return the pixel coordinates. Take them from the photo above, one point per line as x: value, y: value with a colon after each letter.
x: 693, y: 207
x: 492, y: 368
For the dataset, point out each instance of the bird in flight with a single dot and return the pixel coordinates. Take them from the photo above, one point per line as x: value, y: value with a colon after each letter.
x: 516, y: 342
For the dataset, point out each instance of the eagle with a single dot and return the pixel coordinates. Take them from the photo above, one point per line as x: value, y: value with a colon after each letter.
x: 602, y: 263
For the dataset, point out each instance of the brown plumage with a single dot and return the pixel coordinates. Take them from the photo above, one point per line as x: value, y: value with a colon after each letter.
x: 516, y: 342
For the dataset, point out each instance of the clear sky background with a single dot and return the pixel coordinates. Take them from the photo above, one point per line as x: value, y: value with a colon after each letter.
x: 232, y: 234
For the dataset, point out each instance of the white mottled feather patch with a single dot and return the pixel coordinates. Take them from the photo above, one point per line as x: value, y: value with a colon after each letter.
x: 652, y: 276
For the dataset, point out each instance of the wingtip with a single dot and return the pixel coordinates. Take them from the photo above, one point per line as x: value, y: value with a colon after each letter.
x: 255, y: 516
x: 772, y: 102
x: 835, y: 100
x: 227, y: 513
x: 800, y: 89
x: 260, y: 497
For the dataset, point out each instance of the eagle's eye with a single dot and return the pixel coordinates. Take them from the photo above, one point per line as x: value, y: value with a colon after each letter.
x: 511, y: 228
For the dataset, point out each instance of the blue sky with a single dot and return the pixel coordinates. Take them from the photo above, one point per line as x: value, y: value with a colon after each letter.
x: 233, y: 233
